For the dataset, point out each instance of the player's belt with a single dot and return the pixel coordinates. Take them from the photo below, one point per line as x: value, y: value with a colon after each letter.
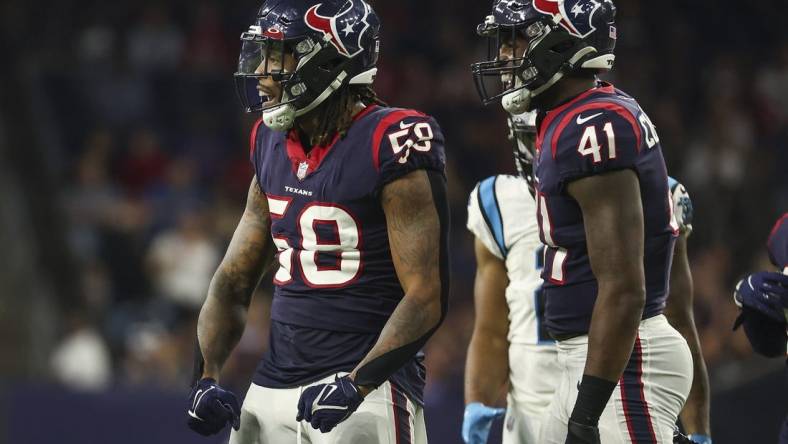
x: 565, y: 336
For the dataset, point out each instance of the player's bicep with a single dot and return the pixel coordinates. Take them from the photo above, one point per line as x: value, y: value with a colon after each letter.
x: 679, y: 304
x: 251, y: 249
x: 414, y: 229
x: 489, y: 292
x: 613, y: 220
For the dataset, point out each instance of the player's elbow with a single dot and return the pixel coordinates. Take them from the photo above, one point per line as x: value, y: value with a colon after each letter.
x: 429, y: 297
x: 628, y: 293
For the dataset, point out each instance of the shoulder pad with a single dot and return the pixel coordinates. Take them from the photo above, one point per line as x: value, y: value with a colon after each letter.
x: 484, y: 217
x: 682, y: 205
x: 594, y: 138
x: 405, y: 140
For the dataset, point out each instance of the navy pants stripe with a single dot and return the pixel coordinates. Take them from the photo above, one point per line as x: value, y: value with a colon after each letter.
x: 401, y: 416
x: 639, y: 425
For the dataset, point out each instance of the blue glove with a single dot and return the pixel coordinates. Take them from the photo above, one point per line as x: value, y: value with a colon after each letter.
x: 477, y: 421
x: 700, y: 439
x: 212, y: 407
x: 764, y: 291
x: 326, y: 405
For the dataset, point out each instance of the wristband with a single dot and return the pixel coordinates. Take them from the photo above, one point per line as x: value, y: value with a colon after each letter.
x: 592, y: 396
x: 700, y: 439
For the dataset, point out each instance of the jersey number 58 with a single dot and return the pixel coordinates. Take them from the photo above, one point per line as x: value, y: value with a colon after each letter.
x: 343, y: 245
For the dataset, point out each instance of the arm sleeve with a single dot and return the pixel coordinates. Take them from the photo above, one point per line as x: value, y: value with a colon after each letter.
x: 374, y: 372
x: 405, y: 141
x: 484, y: 217
x: 682, y: 205
x: 602, y: 138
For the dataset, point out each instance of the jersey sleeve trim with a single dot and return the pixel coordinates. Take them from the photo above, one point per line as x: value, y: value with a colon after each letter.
x: 491, y: 211
x: 772, y: 239
x: 383, y: 125
x: 608, y: 106
x: 253, y: 138
x: 777, y: 226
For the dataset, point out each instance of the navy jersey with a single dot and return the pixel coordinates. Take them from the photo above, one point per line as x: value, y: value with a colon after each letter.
x: 336, y: 285
x: 598, y: 131
x: 778, y: 244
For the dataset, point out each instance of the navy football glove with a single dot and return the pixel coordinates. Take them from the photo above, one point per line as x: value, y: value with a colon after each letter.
x: 766, y: 292
x: 326, y: 405
x: 212, y: 407
x: 477, y: 421
x: 582, y: 434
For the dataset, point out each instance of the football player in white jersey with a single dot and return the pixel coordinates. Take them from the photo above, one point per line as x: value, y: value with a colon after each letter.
x: 508, y: 343
x: 679, y: 311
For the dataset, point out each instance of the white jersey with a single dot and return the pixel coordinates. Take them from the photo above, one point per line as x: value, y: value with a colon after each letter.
x: 502, y: 215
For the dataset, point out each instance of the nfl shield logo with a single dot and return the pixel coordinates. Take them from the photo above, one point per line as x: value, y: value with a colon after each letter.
x: 303, y: 168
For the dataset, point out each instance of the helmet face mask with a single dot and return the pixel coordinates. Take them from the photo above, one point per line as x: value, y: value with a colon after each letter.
x: 259, y: 59
x: 505, y: 57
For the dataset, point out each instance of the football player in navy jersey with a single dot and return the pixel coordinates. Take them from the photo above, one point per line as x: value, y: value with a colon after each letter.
x: 763, y: 299
x: 605, y: 216
x: 349, y: 196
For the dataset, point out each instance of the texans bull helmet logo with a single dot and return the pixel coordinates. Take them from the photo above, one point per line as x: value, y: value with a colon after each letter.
x: 344, y: 30
x: 576, y: 15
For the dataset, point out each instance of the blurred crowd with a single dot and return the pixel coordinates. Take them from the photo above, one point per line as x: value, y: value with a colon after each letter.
x: 149, y: 148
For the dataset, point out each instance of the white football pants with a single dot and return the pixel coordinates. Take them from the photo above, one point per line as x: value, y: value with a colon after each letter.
x: 648, y: 397
x: 533, y: 380
x: 386, y: 416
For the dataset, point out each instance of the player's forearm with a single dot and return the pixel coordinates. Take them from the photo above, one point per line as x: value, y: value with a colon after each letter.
x: 614, y: 327
x: 611, y: 337
x: 486, y: 367
x: 412, y: 322
x: 695, y: 414
x: 223, y: 318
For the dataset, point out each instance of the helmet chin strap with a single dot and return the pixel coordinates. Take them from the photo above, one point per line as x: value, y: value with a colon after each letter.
x: 519, y: 100
x: 280, y: 118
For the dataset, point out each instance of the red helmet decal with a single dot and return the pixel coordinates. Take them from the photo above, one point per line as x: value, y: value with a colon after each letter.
x: 554, y: 8
x: 547, y: 6
x: 327, y: 25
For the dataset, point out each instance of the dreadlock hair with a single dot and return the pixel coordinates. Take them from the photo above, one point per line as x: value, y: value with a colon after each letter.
x: 335, y: 113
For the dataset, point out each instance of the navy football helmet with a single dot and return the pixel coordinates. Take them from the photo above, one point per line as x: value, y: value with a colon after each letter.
x: 562, y: 36
x: 335, y: 43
